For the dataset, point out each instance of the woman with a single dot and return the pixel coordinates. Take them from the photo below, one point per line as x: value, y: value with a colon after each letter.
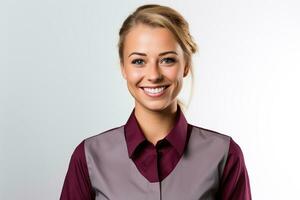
x: 156, y: 154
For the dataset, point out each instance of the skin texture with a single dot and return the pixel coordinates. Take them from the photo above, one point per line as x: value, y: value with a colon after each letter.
x: 153, y: 57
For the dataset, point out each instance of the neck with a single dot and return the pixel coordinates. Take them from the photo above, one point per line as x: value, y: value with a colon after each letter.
x: 156, y: 124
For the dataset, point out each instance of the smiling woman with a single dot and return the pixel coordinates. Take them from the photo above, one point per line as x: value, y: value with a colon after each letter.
x: 154, y: 67
x: 157, y: 154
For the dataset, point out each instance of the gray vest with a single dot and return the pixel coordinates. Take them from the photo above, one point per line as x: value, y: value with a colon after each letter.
x: 114, y: 175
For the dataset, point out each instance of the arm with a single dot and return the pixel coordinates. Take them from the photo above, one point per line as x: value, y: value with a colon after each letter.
x: 234, y: 181
x: 77, y: 185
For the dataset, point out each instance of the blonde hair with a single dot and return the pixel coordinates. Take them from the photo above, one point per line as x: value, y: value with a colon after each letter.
x: 162, y: 16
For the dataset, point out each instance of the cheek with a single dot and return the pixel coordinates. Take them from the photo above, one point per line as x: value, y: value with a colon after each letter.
x: 134, y: 76
x: 174, y: 74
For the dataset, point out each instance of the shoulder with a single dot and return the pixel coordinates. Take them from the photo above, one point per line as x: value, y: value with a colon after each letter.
x: 78, y: 155
x: 214, y: 146
x: 235, y: 150
x: 105, y: 135
x: 210, y: 136
x: 232, y: 148
x: 105, y: 140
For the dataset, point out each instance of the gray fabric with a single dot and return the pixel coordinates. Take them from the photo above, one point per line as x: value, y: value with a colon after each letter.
x: 114, y: 175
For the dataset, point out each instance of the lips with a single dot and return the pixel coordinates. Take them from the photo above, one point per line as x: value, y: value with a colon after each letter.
x: 155, y: 91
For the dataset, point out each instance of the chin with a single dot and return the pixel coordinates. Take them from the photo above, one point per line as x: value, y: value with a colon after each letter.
x: 155, y: 106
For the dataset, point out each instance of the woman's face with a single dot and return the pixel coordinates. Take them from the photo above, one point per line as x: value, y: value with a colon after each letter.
x: 154, y: 67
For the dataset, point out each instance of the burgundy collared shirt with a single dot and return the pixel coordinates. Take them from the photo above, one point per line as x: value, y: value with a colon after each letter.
x: 155, y: 163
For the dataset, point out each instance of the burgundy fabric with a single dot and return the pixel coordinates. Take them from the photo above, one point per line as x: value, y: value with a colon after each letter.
x: 156, y: 162
x: 77, y: 185
x: 235, y: 181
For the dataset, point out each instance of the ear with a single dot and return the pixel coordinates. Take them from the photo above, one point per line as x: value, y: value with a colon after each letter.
x: 186, y: 70
x: 123, y: 71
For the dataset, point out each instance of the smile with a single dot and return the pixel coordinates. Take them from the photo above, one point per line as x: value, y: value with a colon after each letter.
x: 154, y: 91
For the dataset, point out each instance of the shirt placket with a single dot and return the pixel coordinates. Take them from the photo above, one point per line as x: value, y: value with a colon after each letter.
x: 154, y: 187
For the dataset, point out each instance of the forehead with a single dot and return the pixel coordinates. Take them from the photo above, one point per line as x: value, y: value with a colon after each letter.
x: 150, y: 40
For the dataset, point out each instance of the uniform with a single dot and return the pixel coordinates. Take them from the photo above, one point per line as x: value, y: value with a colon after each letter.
x: 190, y: 163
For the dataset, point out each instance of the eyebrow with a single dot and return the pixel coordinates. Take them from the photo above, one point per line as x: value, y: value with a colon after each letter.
x: 161, y: 54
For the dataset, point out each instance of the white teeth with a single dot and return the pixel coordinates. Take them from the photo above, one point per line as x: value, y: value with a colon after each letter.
x: 154, y: 90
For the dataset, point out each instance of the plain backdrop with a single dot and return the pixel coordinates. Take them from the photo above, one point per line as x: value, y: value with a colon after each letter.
x: 60, y: 82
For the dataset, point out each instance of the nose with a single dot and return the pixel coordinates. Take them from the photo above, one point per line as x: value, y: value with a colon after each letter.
x: 153, y: 73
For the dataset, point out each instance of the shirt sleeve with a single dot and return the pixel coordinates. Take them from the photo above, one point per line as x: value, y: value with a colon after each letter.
x: 77, y: 185
x: 235, y: 183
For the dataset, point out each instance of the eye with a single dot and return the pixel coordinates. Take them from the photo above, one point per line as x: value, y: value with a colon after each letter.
x: 168, y: 60
x: 138, y: 62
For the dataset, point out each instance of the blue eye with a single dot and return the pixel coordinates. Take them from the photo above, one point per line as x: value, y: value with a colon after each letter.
x: 167, y: 60
x: 138, y: 62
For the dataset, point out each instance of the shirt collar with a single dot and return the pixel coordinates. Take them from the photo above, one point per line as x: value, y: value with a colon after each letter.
x: 177, y: 136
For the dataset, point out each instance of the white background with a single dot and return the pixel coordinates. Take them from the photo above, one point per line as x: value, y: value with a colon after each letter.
x: 60, y: 83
